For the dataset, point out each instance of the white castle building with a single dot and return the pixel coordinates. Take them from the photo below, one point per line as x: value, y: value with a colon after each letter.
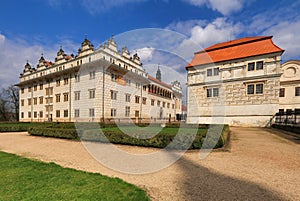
x: 102, y: 84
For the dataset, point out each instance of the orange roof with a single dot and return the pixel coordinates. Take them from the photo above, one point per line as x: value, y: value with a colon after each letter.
x: 158, y: 82
x: 236, y: 49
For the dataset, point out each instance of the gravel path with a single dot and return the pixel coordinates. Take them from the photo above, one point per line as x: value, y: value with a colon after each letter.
x: 260, y: 166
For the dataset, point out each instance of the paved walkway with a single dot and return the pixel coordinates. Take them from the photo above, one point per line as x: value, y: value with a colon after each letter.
x: 260, y: 166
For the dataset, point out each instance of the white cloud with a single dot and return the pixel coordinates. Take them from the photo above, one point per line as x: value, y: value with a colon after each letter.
x: 225, y: 7
x: 14, y: 54
x: 145, y: 53
x: 185, y: 27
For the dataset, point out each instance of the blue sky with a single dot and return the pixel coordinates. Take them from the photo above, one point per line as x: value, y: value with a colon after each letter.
x: 31, y: 27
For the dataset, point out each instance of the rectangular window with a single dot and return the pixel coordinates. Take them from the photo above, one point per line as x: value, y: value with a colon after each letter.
x: 22, y: 90
x: 158, y: 103
x: 29, y: 89
x: 164, y: 104
x: 216, y: 71
x: 173, y: 106
x: 57, y: 83
x: 22, y: 102
x: 127, y: 111
x: 92, y: 112
x: 29, y: 114
x: 209, y: 72
x: 215, y: 92
x: 92, y: 75
x: 34, y: 114
x: 114, y: 77
x: 297, y: 91
x: 282, y: 92
x: 57, y: 98
x: 76, y: 113
x: 92, y: 93
x: 66, y: 97
x: 35, y: 101
x: 259, y: 88
x: 22, y: 114
x: 49, y: 91
x: 137, y: 113
x: 66, y: 81
x: 41, y: 86
x: 208, y: 93
x: 144, y: 101
x: 77, y: 78
x: 41, y: 114
x: 137, y: 85
x: 250, y: 89
x: 168, y: 105
x: 251, y: 66
x: 58, y: 113
x: 35, y: 88
x: 66, y: 113
x: 41, y: 100
x: 259, y: 65
x: 137, y: 99
x: 113, y: 95
x: 77, y: 95
x: 113, y: 112
x: 29, y: 101
x: 152, y: 102
x: 128, y: 82
x: 127, y: 97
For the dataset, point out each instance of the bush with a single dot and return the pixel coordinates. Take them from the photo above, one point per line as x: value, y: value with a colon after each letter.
x: 54, y: 132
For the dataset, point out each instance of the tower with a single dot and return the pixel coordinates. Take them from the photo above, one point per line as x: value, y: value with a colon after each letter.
x: 158, y: 74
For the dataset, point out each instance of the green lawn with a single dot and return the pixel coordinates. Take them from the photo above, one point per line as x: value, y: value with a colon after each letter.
x: 25, y: 179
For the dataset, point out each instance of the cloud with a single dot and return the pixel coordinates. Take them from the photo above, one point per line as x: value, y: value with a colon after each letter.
x: 226, y: 7
x: 15, y: 52
x: 145, y: 53
x: 98, y: 6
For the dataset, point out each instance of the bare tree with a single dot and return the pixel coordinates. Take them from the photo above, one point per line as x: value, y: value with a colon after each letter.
x: 13, y: 97
x: 4, y: 106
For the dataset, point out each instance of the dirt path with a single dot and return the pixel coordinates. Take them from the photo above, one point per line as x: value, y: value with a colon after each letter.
x: 260, y: 166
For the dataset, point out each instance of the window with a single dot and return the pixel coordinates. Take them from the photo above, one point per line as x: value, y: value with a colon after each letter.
x: 22, y: 90
x: 29, y: 114
x: 66, y: 97
x: 34, y: 114
x: 250, y: 89
x: 92, y: 93
x: 22, y: 114
x: 58, y: 113
x: 41, y: 114
x: 137, y: 113
x: 164, y: 104
x: 76, y: 112
x: 92, y: 75
x: 251, y: 66
x: 22, y: 102
x: 77, y: 78
x: 35, y: 101
x: 57, y: 83
x: 35, y: 88
x: 57, y: 98
x: 144, y: 101
x: 41, y: 86
x: 259, y: 65
x: 255, y: 88
x: 137, y: 99
x: 29, y: 101
x: 113, y: 95
x: 114, y: 77
x: 29, y: 89
x: 216, y: 71
x: 127, y: 111
x: 215, y: 92
x: 281, y: 111
x: 91, y: 112
x: 77, y: 95
x: 208, y: 93
x: 173, y: 106
x: 282, y: 92
x: 66, y: 81
x: 49, y: 91
x: 41, y: 100
x: 297, y: 91
x: 152, y: 102
x: 158, y: 103
x: 113, y: 112
x: 168, y: 105
x: 66, y: 113
x: 128, y: 82
x: 137, y: 85
x: 209, y: 72
x: 127, y: 97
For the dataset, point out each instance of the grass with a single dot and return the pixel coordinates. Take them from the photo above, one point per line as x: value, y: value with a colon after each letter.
x: 25, y: 179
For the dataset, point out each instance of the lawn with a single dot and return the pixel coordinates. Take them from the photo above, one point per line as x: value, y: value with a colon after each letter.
x: 26, y: 179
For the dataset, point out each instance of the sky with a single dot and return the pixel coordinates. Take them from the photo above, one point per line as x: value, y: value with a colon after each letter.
x: 162, y: 32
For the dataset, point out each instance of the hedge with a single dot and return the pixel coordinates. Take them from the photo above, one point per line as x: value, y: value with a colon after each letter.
x: 114, y: 135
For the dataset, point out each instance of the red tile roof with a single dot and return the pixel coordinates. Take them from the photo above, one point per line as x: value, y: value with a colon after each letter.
x: 159, y: 82
x: 236, y: 49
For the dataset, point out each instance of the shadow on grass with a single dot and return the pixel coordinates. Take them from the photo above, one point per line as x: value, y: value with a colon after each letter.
x: 200, y: 183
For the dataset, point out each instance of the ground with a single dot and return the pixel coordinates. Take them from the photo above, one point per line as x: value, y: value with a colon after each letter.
x: 259, y: 166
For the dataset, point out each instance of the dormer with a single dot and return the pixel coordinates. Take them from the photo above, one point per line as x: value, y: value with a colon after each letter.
x: 60, y: 56
x: 136, y: 59
x: 41, y: 64
x: 27, y: 69
x: 86, y: 48
x: 125, y: 53
x: 176, y: 86
x: 111, y: 44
